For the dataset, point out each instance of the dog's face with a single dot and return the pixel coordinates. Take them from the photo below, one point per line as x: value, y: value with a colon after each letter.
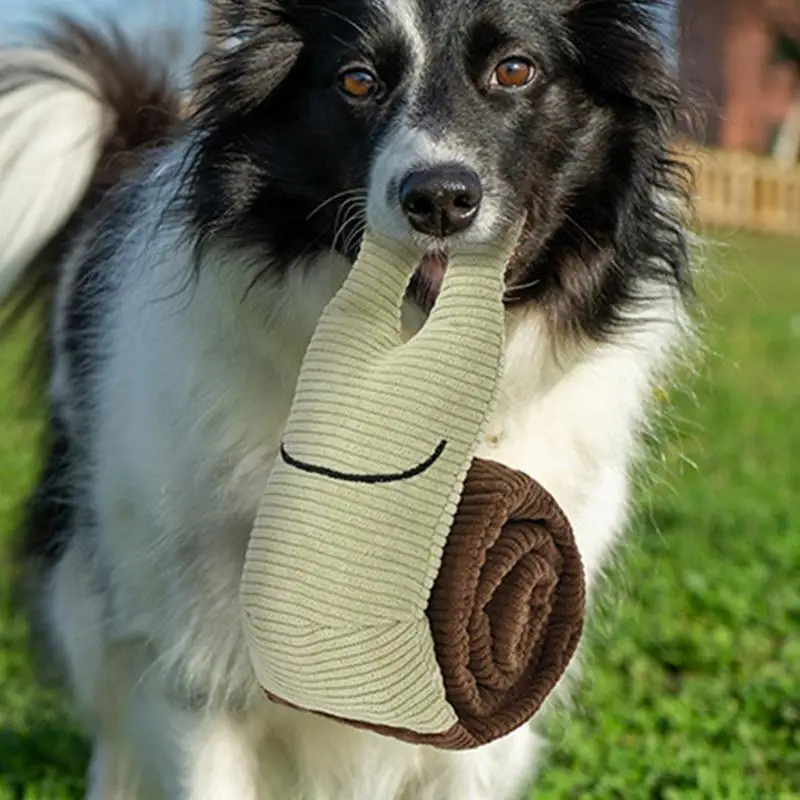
x: 443, y: 121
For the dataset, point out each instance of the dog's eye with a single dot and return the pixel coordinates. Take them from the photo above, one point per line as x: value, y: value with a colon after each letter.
x: 515, y: 72
x: 358, y: 83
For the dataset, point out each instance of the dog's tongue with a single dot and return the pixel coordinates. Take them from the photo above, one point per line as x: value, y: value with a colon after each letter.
x: 432, y: 267
x: 429, y: 277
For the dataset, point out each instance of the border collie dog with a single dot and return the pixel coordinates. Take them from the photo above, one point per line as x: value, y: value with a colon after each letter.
x: 182, y: 253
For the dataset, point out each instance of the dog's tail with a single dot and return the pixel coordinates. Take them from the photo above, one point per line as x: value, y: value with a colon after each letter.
x: 78, y: 108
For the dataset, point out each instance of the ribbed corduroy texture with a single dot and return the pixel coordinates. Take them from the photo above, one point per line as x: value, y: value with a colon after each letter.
x: 339, y: 572
x: 507, y: 607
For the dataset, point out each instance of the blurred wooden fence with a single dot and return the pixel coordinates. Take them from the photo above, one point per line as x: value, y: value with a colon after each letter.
x: 740, y: 190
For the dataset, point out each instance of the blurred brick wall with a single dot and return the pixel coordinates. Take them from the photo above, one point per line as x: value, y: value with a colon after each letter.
x: 727, y: 59
x: 758, y: 91
x: 701, y: 29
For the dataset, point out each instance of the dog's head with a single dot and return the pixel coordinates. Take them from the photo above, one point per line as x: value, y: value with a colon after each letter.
x: 442, y: 121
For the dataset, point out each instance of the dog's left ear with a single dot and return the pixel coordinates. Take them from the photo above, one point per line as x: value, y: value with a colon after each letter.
x: 251, y: 46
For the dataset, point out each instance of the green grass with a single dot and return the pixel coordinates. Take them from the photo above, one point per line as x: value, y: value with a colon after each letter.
x: 692, y: 689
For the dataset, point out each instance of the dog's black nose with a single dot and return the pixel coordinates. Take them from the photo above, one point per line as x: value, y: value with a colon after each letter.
x: 441, y: 200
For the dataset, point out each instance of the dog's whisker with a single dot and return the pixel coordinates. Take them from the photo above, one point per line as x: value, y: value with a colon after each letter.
x: 521, y: 287
x: 352, y: 236
x: 347, y: 205
x: 332, y: 199
x: 356, y: 233
x: 343, y: 17
x: 352, y: 211
x: 344, y: 232
x: 580, y: 228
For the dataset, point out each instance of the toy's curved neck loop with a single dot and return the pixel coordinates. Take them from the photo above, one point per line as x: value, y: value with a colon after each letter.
x: 373, y: 293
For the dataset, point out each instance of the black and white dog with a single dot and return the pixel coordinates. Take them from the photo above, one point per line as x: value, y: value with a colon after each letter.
x: 184, y: 258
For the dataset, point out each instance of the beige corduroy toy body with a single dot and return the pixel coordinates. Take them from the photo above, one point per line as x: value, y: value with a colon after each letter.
x: 351, y: 532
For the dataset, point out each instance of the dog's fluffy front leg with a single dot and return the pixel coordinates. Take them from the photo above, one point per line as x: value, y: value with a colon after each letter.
x: 141, y: 739
x: 498, y: 771
x: 114, y: 774
x: 217, y: 757
x: 104, y: 678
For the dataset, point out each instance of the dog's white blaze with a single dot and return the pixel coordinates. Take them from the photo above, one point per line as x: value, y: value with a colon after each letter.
x: 406, y: 14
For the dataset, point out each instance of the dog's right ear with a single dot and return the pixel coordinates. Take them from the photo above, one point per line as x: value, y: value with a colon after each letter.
x: 251, y: 46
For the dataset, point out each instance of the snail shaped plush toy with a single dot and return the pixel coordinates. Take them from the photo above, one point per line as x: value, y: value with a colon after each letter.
x: 393, y: 581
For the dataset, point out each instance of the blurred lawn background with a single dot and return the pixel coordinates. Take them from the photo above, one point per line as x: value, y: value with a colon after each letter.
x: 692, y: 689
